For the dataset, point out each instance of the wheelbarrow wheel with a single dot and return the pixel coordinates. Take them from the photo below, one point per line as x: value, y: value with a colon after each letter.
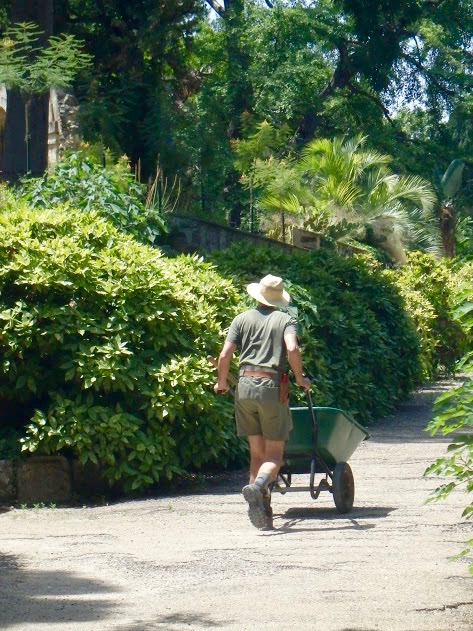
x: 343, y: 487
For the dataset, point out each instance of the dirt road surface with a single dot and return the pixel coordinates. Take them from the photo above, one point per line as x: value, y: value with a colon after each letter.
x: 194, y: 562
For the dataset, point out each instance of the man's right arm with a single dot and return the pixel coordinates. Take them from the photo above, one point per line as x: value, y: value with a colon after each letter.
x: 294, y: 358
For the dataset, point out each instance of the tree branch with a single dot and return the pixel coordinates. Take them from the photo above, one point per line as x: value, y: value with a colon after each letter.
x: 399, y: 132
x: 356, y: 90
x: 431, y: 78
x: 342, y: 75
x: 218, y: 8
x: 269, y: 3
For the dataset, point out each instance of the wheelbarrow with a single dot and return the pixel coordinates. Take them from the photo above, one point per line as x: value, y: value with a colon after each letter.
x: 321, y: 442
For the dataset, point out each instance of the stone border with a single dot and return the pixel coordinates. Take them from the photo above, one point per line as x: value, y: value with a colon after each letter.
x: 50, y: 480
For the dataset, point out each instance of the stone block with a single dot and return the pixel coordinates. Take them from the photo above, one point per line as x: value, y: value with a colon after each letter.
x: 7, y: 481
x: 88, y: 480
x: 44, y: 479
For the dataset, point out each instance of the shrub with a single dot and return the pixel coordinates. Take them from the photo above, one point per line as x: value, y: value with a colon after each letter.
x: 104, y: 340
x: 358, y: 343
x: 427, y: 285
x: 83, y: 181
x: 104, y: 344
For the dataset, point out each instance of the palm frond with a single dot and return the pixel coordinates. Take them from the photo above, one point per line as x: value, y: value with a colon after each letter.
x: 289, y: 203
x: 415, y: 190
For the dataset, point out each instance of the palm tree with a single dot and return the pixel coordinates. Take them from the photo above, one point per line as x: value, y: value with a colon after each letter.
x: 346, y: 190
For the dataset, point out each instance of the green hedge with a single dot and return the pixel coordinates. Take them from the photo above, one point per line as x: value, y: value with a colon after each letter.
x: 428, y: 285
x: 104, y: 340
x: 358, y: 343
x: 104, y: 343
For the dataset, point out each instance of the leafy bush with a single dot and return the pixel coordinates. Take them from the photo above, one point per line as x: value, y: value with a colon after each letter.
x: 104, y: 344
x: 358, y: 343
x: 454, y: 413
x: 428, y: 287
x: 83, y: 181
x: 104, y: 340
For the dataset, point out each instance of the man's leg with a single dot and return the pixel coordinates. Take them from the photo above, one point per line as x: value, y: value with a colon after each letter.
x: 257, y: 455
x: 273, y: 455
x: 266, y: 458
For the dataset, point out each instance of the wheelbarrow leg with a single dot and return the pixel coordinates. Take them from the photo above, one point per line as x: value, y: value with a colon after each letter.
x: 323, y: 484
x: 285, y: 478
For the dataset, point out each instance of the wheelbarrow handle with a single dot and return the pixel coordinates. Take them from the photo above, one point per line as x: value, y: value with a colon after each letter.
x: 310, y: 406
x: 315, y: 427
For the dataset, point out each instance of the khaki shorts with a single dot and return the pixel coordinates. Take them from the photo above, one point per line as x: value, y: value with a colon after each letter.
x: 258, y: 411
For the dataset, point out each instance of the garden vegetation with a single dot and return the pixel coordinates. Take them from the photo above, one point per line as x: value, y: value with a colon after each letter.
x: 104, y: 339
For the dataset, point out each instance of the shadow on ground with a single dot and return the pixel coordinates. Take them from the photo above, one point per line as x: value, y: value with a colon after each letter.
x: 49, y: 596
x: 327, y: 519
x: 178, y: 619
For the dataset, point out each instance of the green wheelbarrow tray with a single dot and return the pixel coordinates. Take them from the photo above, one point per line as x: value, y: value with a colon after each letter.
x: 338, y: 436
x: 322, y: 440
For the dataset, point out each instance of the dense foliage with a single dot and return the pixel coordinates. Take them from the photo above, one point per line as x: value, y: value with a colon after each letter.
x: 322, y: 68
x: 358, y: 342
x: 428, y: 286
x: 84, y: 180
x: 104, y: 345
x: 177, y: 81
x: 454, y: 414
x: 104, y: 339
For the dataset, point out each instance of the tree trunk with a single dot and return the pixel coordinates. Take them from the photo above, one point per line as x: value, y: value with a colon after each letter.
x: 26, y: 138
x: 447, y: 229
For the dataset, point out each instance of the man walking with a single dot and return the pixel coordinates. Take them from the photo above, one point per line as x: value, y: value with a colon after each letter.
x: 266, y: 339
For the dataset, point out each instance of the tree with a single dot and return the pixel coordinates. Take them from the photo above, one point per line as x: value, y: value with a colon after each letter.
x: 332, y: 68
x: 239, y: 88
x: 32, y: 69
x: 171, y: 85
x: 15, y: 148
x: 133, y: 99
x: 266, y: 165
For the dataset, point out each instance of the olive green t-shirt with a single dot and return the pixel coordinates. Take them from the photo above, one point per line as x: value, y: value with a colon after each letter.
x: 259, y: 334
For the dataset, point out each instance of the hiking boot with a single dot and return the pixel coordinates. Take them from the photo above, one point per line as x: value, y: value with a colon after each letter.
x: 257, y: 511
x: 268, y: 510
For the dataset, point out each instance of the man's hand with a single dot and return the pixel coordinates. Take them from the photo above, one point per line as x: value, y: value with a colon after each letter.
x: 224, y: 359
x: 303, y: 382
x: 221, y: 388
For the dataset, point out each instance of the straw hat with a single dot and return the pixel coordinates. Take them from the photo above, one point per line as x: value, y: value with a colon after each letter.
x: 269, y: 291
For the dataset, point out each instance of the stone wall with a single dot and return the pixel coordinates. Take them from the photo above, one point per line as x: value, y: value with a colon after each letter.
x: 51, y: 480
x: 189, y: 234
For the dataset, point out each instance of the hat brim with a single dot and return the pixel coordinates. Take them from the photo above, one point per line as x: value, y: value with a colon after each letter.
x: 254, y: 290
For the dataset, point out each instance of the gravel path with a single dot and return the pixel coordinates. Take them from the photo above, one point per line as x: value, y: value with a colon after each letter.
x: 194, y: 562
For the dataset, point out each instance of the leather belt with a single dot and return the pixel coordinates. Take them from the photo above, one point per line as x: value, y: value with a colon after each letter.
x: 259, y: 373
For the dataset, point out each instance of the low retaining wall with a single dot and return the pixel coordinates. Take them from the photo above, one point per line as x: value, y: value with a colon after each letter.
x: 50, y: 480
x: 189, y: 234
